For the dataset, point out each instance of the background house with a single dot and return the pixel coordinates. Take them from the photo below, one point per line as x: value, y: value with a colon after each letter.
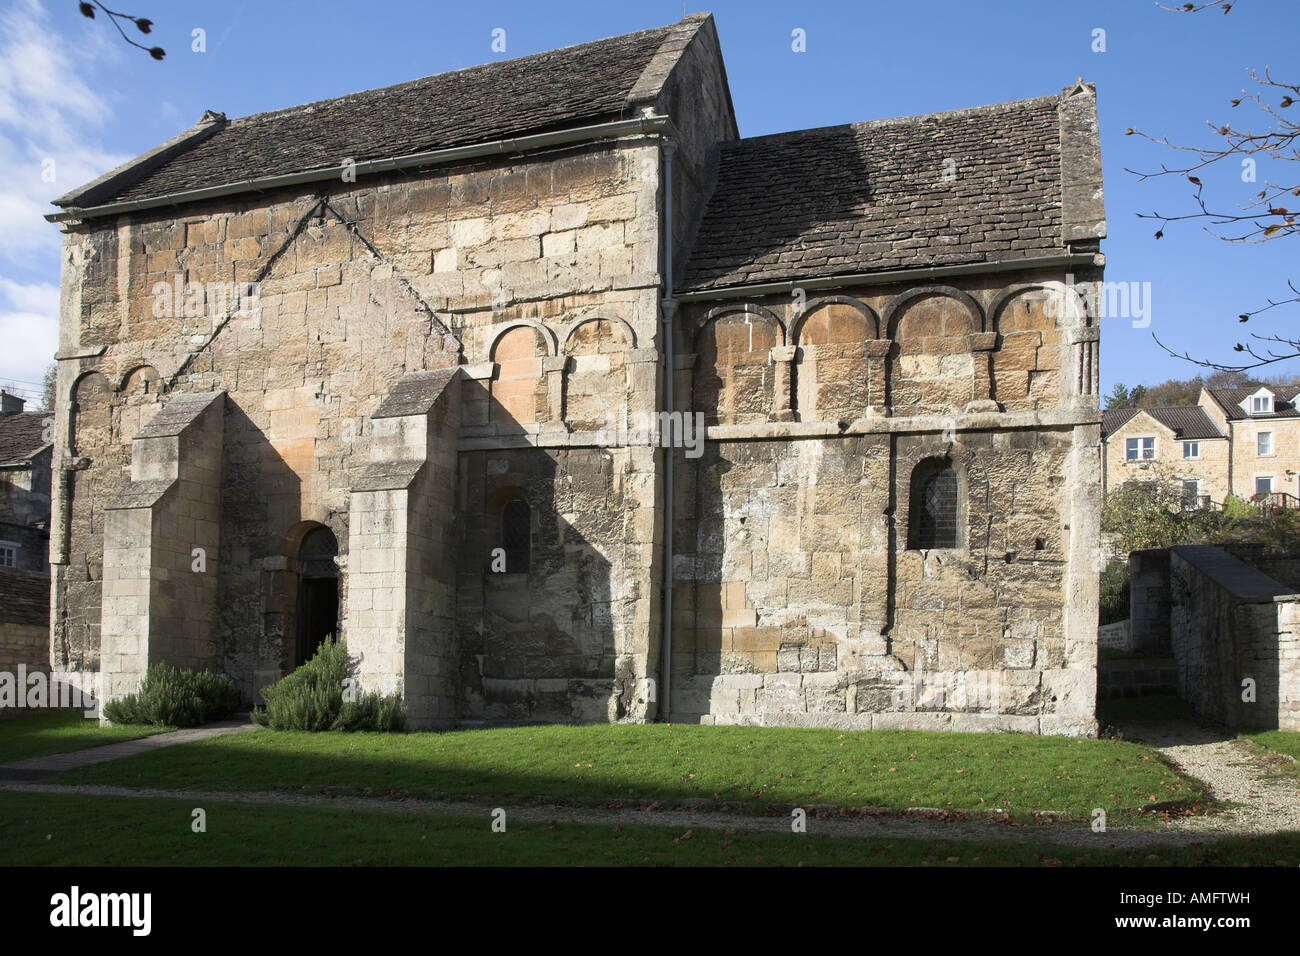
x: 1234, y: 441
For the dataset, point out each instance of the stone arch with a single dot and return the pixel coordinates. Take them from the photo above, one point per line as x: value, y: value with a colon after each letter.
x: 544, y: 332
x: 1026, y: 365
x: 311, y: 590
x: 513, y: 518
x: 517, y: 391
x: 613, y: 320
x: 936, y: 505
x: 140, y: 392
x: 831, y: 366
x: 931, y: 368
x: 748, y: 308
x: 824, y: 305
x: 735, y: 379
x: 899, y: 304
x: 92, y: 402
x: 595, y: 372
x: 1071, y: 307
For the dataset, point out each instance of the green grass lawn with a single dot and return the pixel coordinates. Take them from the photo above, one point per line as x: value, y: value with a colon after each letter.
x: 620, y: 763
x: 62, y: 830
x: 1280, y: 741
x: 39, y: 735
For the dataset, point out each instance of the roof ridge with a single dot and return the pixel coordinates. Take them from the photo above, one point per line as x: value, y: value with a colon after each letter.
x: 987, y: 108
x: 265, y: 114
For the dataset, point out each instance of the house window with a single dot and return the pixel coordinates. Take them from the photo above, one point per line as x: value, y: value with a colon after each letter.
x: 1264, y: 443
x: 1191, y: 492
x: 934, y: 506
x: 8, y: 556
x: 1191, y: 449
x: 516, y: 535
x: 1261, y: 404
x: 1136, y: 449
x: 1264, y: 485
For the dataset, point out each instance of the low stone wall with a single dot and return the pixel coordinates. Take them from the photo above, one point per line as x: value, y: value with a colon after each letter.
x: 1117, y: 636
x: 24, y: 626
x: 1235, y: 633
x: 1136, y: 677
x: 1149, y: 600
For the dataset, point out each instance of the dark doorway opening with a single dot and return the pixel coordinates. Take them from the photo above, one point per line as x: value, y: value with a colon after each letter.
x: 318, y: 592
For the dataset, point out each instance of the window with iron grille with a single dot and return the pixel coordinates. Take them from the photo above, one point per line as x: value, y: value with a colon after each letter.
x: 934, y: 506
x: 516, y: 535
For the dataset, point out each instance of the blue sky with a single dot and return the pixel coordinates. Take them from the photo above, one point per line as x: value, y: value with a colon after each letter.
x: 71, y: 91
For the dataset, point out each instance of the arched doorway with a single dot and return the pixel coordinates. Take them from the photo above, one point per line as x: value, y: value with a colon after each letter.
x: 318, y: 592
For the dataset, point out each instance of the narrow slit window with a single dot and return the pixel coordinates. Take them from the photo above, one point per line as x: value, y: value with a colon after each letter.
x: 516, y: 536
x: 934, y: 520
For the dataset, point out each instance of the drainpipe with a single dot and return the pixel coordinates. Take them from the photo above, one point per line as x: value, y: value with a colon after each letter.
x: 668, y: 308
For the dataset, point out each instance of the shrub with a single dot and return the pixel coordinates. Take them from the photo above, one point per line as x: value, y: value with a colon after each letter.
x: 1114, y: 592
x: 312, y: 698
x: 171, y: 697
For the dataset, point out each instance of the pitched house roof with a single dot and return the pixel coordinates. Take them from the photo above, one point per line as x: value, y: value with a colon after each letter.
x: 21, y: 437
x: 1188, y: 422
x: 1284, y: 401
x: 967, y: 186
x: 571, y: 87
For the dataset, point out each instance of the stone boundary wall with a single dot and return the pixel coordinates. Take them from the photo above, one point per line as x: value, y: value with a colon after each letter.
x: 1149, y: 600
x: 1230, y: 624
x: 1117, y: 636
x: 1137, y: 677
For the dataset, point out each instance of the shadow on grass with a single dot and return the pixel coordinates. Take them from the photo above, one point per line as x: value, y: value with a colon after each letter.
x: 621, y: 765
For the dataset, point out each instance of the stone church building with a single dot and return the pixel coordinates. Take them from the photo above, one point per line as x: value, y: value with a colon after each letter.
x: 397, y: 366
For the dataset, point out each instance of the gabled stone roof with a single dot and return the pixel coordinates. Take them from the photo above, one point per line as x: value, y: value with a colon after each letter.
x: 1284, y: 404
x: 967, y: 186
x: 21, y: 436
x: 559, y: 89
x: 1188, y: 422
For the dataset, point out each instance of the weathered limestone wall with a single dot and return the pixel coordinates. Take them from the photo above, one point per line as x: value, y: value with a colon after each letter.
x: 798, y: 598
x: 402, y: 564
x: 1231, y: 624
x: 382, y: 280
x: 160, y: 597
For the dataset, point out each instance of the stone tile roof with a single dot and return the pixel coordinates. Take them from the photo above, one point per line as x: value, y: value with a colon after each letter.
x: 26, y: 596
x: 873, y: 196
x: 573, y: 86
x: 20, y: 436
x: 1284, y: 401
x: 1188, y: 422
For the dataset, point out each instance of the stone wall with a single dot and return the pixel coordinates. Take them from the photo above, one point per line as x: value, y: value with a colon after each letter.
x: 1149, y: 607
x: 1235, y: 633
x: 798, y: 597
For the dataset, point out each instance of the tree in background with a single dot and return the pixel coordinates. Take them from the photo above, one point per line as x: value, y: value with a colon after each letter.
x: 1185, y: 391
x: 1269, y: 215
x: 50, y: 385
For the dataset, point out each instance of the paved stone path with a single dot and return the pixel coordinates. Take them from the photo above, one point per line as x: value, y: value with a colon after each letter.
x: 1269, y: 803
x: 38, y: 768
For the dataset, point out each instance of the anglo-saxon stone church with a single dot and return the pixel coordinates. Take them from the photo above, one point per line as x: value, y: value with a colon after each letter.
x: 400, y: 366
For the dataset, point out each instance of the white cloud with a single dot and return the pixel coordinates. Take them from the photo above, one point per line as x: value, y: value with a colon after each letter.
x: 29, y: 329
x: 48, y: 115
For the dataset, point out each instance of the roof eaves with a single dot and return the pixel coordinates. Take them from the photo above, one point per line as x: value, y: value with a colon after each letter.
x: 116, y: 179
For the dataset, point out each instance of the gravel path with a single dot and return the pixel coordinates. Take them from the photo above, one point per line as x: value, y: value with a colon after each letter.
x: 1269, y: 804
